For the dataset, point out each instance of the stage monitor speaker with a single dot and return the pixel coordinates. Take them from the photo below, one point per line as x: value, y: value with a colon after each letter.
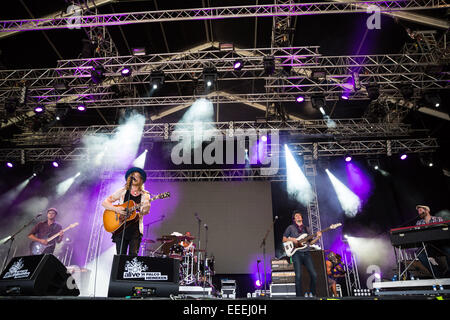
x: 39, y: 275
x: 144, y: 276
x: 318, y: 259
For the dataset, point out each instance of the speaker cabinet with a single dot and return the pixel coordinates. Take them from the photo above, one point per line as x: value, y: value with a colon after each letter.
x: 39, y: 275
x: 318, y: 259
x: 144, y: 276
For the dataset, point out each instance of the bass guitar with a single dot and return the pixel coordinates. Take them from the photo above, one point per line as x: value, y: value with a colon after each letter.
x: 112, y: 220
x: 38, y: 248
x: 302, y: 241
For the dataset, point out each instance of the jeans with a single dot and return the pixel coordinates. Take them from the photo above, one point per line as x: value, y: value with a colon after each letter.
x: 129, y: 245
x: 299, y: 258
x: 440, y: 271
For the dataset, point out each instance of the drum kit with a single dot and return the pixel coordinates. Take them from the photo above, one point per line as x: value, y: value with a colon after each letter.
x: 194, y: 269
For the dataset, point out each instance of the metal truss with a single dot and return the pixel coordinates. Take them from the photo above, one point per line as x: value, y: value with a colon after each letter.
x: 315, y: 149
x: 340, y: 128
x: 388, y: 71
x: 293, y: 9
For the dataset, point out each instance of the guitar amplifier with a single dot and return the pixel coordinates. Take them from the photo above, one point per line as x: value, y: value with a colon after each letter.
x: 283, y: 277
x: 133, y: 275
x: 281, y: 265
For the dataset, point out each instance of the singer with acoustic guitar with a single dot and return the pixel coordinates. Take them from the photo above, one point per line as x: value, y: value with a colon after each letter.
x: 128, y: 237
x: 301, y: 256
x: 46, y: 229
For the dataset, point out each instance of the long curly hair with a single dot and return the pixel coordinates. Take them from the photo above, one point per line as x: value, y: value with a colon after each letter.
x: 141, y: 186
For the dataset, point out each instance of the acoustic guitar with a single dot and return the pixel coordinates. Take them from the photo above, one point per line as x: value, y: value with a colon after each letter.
x: 112, y: 221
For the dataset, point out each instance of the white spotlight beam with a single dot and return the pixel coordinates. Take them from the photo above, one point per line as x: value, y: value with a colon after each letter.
x: 349, y: 201
x: 298, y: 185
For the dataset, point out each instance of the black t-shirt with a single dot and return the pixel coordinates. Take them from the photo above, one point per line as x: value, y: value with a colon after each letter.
x: 132, y: 227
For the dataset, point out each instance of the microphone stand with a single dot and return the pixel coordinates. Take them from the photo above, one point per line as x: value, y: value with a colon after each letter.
x: 206, y: 255
x: 11, y: 240
x: 198, y: 246
x: 125, y: 223
x: 263, y: 245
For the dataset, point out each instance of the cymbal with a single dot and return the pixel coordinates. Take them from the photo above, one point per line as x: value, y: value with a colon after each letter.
x: 148, y: 240
x: 166, y: 239
x: 200, y: 250
x: 183, y: 238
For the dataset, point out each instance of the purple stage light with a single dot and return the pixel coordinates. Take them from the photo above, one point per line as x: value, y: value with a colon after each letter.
x: 9, y: 164
x: 344, y: 97
x: 403, y: 156
x: 258, y: 283
x: 39, y: 109
x: 348, y: 158
x: 300, y: 99
x: 264, y: 138
x: 125, y: 71
x: 55, y: 164
x: 238, y: 65
x: 81, y: 107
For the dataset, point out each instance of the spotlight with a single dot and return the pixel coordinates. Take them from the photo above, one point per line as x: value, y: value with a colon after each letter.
x: 403, y: 156
x: 432, y: 99
x: 157, y: 79
x: 269, y: 65
x: 300, y: 99
x: 9, y: 164
x: 81, y: 107
x: 126, y: 72
x: 348, y: 158
x: 318, y: 102
x: 97, y: 74
x: 373, y: 91
x: 55, y: 164
x: 62, y: 110
x: 209, y: 77
x: 238, y: 64
x: 345, y: 96
x: 39, y: 109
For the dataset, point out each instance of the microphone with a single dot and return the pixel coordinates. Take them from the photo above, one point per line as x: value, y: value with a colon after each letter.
x: 40, y: 214
x: 196, y: 216
x: 132, y: 178
x: 206, y: 226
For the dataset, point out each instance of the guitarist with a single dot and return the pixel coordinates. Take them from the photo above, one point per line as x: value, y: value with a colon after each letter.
x: 46, y: 229
x: 135, y: 177
x: 302, y: 256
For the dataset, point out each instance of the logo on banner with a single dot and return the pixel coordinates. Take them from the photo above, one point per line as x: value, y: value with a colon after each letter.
x: 135, y: 269
x: 16, y: 271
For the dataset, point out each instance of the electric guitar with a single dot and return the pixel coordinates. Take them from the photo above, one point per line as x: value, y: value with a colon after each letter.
x: 290, y: 248
x: 37, y: 247
x: 112, y: 220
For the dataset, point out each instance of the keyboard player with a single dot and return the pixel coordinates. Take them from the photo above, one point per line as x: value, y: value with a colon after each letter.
x: 426, y: 218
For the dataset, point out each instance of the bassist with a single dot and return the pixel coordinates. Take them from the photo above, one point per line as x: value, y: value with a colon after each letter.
x: 134, y: 229
x: 302, y: 256
x: 46, y: 229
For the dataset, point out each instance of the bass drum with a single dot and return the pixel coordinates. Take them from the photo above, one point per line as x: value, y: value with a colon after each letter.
x: 176, y: 251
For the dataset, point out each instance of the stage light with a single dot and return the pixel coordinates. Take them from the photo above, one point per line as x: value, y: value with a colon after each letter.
x: 209, y: 78
x: 269, y: 65
x: 345, y: 96
x: 373, y: 91
x: 97, y: 74
x: 238, y: 64
x: 55, y: 164
x: 264, y: 138
x: 300, y: 99
x: 403, y: 156
x: 140, y: 161
x: 39, y: 109
x: 432, y: 99
x: 348, y: 158
x: 349, y: 201
x: 318, y: 102
x: 126, y: 72
x: 81, y: 107
x: 157, y: 79
x: 9, y: 164
x: 258, y: 283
